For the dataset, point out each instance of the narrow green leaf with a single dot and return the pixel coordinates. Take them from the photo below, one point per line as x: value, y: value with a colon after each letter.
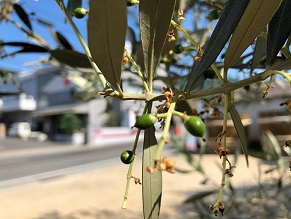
x: 271, y: 146
x: 71, y: 58
x: 155, y: 17
x: 22, y: 15
x: 256, y: 16
x: 73, y: 4
x: 184, y: 106
x: 27, y: 47
x: 198, y: 196
x: 282, y: 64
x: 180, y: 170
x: 107, y: 25
x: 224, y: 28
x: 240, y: 130
x: 152, y: 182
x: 62, y: 41
x: 259, y: 53
x: 260, y: 155
x: 278, y: 31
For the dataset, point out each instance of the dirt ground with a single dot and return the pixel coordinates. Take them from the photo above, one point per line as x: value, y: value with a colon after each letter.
x: 98, y: 193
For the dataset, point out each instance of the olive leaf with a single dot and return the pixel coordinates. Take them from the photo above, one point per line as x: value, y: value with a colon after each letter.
x: 71, y: 58
x: 155, y: 17
x: 239, y: 130
x: 184, y: 106
x: 256, y: 16
x: 152, y: 182
x: 107, y: 25
x: 224, y: 28
x: 25, y: 48
x: 271, y: 146
x: 259, y: 52
x: 73, y: 4
x: 278, y: 31
x: 62, y: 41
x: 22, y: 15
x: 3, y: 93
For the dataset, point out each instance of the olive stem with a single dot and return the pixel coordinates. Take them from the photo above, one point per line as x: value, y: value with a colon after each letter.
x: 224, y: 158
x: 197, y: 47
x: 129, y: 172
x: 226, y: 88
x: 181, y: 115
x: 30, y: 34
x: 175, y: 113
x: 166, y: 129
x: 128, y: 178
x: 138, y: 71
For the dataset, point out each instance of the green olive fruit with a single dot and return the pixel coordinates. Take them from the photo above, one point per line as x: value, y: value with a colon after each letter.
x: 131, y: 2
x: 164, y: 60
x: 177, y: 49
x: 127, y: 157
x: 145, y: 121
x: 214, y: 14
x: 210, y: 74
x: 80, y: 13
x: 194, y: 125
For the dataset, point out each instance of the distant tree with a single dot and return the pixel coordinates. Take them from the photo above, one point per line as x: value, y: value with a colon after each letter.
x: 70, y: 123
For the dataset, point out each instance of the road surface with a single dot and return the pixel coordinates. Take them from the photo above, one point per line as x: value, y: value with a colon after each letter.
x: 41, y: 166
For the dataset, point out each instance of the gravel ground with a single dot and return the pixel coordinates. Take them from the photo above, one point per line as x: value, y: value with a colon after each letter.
x: 98, y: 193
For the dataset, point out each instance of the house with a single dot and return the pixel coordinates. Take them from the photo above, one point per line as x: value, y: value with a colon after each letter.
x: 48, y: 95
x: 258, y: 114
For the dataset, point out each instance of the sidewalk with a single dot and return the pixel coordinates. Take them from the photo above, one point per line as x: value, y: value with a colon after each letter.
x: 98, y: 193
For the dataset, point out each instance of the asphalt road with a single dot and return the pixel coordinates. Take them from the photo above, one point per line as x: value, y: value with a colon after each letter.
x: 27, y: 168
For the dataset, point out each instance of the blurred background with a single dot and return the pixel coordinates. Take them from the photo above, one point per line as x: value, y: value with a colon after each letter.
x: 60, y: 142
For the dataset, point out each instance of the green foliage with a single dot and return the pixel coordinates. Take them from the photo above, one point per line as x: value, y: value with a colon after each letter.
x: 107, y: 26
x: 278, y: 31
x: 247, y: 30
x: 73, y: 4
x: 230, y: 16
x: 152, y: 183
x: 155, y: 17
x: 71, y: 58
x: 22, y: 15
x: 70, y: 123
x: 240, y: 130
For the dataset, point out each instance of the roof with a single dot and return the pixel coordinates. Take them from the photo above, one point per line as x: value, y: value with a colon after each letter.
x: 57, y: 110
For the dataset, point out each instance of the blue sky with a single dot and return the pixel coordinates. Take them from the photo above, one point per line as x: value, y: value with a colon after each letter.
x: 47, y: 11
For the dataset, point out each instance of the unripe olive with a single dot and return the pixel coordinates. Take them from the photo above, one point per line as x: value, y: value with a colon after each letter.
x: 177, y: 49
x: 164, y: 59
x: 214, y: 14
x: 80, y: 13
x: 210, y: 74
x: 127, y: 157
x: 194, y: 125
x: 145, y: 121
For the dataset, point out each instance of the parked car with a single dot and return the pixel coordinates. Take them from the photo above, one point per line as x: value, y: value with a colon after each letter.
x: 20, y: 129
